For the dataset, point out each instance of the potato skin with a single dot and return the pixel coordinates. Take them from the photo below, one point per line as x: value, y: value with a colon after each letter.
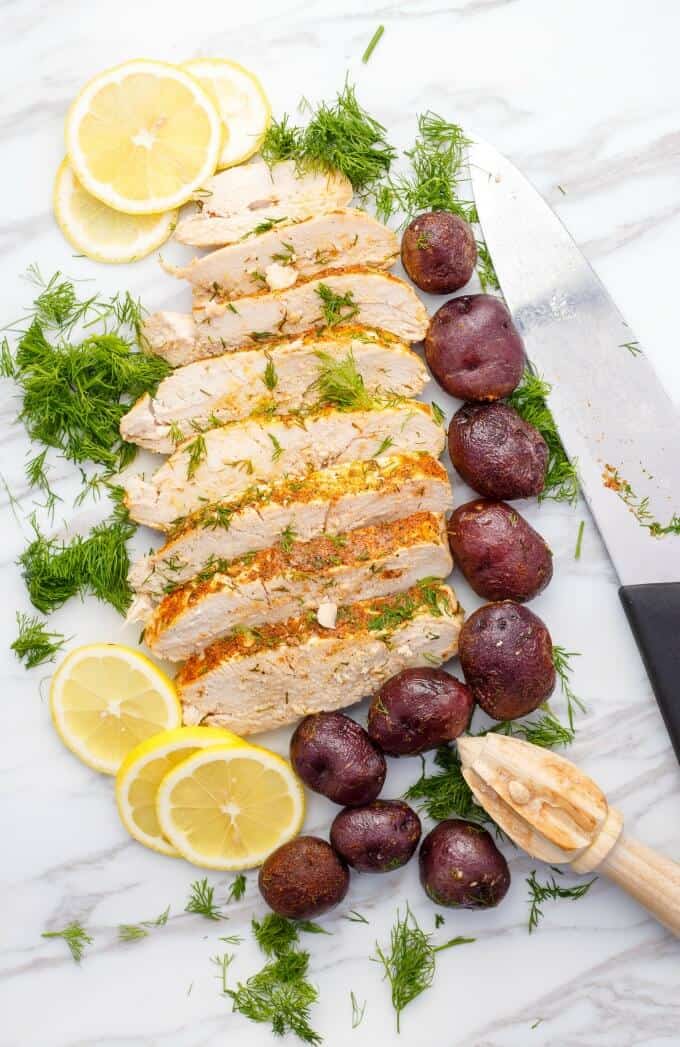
x: 303, y: 878
x: 461, y: 866
x: 439, y: 252
x: 506, y: 654
x: 500, y: 554
x: 496, y: 452
x: 474, y: 349
x: 334, y: 756
x: 377, y: 837
x: 417, y: 710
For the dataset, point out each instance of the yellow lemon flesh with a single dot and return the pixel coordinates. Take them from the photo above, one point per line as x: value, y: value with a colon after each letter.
x: 241, y: 103
x: 229, y: 807
x: 144, y: 768
x: 141, y: 137
x: 105, y: 699
x: 100, y: 232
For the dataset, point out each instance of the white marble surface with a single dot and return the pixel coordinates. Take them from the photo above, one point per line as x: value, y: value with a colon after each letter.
x: 583, y: 95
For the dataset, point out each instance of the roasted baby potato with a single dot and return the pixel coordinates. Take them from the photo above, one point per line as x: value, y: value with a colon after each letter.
x: 439, y: 252
x: 506, y: 654
x: 460, y: 865
x: 377, y: 837
x: 500, y: 554
x: 417, y: 710
x: 496, y: 452
x: 473, y: 348
x: 303, y: 878
x: 335, y: 757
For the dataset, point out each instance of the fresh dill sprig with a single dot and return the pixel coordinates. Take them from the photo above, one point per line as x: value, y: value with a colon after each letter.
x: 485, y: 268
x: 237, y: 888
x: 36, y: 475
x: 384, y: 446
x: 131, y: 932
x: 265, y: 226
x: 288, y: 537
x: 223, y: 962
x: 358, y: 1011
x: 404, y: 606
x: 35, y: 645
x: 337, y: 308
x: 437, y: 160
x: 197, y: 452
x: 355, y: 917
x: 639, y: 507
x: 281, y: 995
x: 529, y: 400
x: 373, y: 43
x: 232, y: 939
x: 97, y: 564
x: 632, y: 347
x: 541, y: 892
x: 285, y: 256
x: 340, y: 383
x: 270, y: 377
x: 275, y: 934
x: 340, y: 136
x: 410, y: 963
x: 446, y: 793
x: 579, y: 540
x: 277, y: 449
x: 160, y: 921
x: 546, y: 732
x: 75, y: 936
x: 563, y: 669
x: 202, y: 900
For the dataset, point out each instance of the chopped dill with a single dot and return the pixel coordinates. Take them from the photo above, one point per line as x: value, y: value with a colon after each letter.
x: 410, y: 963
x: 340, y: 383
x: 639, y: 507
x: 197, y: 452
x: 286, y: 256
x: 237, y: 888
x: 202, y: 900
x: 97, y: 564
x: 632, y: 347
x: 529, y: 400
x: 336, y: 308
x: 372, y: 44
x: 160, y: 921
x: 288, y: 536
x: 270, y: 377
x: 438, y: 920
x: 281, y: 995
x: 485, y: 268
x: 358, y: 1011
x: 355, y: 917
x: 340, y: 136
x: 175, y: 433
x: 579, y: 540
x: 131, y: 932
x: 384, y: 446
x: 36, y: 475
x: 431, y: 592
x: 541, y: 892
x: 563, y: 670
x: 75, y: 936
x: 438, y: 414
x: 223, y: 962
x: 266, y: 225
x: 277, y: 448
x: 261, y: 336
x: 35, y: 645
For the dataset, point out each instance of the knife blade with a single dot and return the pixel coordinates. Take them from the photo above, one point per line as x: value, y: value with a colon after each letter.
x: 616, y: 421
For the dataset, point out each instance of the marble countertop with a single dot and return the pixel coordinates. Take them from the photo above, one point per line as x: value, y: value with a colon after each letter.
x: 582, y: 95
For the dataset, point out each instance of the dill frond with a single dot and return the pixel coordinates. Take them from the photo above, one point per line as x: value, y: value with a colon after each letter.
x: 564, y: 669
x: 340, y: 383
x: 446, y: 793
x: 131, y: 932
x: 237, y: 888
x: 270, y: 377
x: 288, y: 536
x: 336, y: 308
x: 281, y: 995
x: 384, y: 446
x: 75, y: 936
x: 437, y: 413
x: 358, y: 1011
x: 197, y: 452
x: 277, y: 449
x: 223, y: 962
x: 355, y: 917
x: 35, y: 645
x: 546, y: 732
x: 485, y: 268
x: 410, y: 963
x: 283, y: 141
x: 541, y: 892
x: 529, y: 400
x: 202, y: 900
x: 275, y: 934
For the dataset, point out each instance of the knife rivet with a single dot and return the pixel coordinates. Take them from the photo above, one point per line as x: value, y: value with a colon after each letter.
x: 518, y: 792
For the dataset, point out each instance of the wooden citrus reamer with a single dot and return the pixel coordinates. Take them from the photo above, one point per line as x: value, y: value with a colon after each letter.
x: 556, y: 813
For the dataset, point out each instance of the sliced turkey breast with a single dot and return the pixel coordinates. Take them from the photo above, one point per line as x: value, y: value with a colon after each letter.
x: 282, y: 582
x: 360, y: 296
x: 325, y: 502
x: 224, y: 462
x: 297, y: 373
x: 283, y: 254
x: 260, y: 679
x: 239, y: 200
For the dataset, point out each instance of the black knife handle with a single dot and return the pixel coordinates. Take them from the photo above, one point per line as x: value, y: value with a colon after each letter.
x: 653, y: 612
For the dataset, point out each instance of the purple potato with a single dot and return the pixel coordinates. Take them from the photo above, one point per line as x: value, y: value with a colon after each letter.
x: 473, y: 348
x: 499, y: 553
x: 439, y: 252
x: 378, y: 837
x: 460, y: 865
x: 496, y: 452
x: 417, y: 710
x: 506, y: 655
x: 303, y: 878
x: 335, y: 757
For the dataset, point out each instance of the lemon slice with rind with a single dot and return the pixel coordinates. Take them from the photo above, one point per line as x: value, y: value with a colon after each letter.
x: 105, y: 699
x: 241, y: 102
x: 144, y: 768
x: 142, y: 136
x: 229, y: 807
x: 100, y: 232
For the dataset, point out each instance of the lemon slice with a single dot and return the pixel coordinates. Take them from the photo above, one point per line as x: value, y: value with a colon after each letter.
x: 142, y: 136
x: 229, y: 807
x: 106, y: 699
x: 100, y: 232
x: 240, y: 101
x: 143, y: 769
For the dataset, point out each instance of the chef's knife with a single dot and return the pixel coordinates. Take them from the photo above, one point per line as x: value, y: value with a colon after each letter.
x: 616, y: 421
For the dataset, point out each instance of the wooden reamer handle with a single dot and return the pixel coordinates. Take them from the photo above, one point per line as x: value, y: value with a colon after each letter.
x: 651, y: 878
